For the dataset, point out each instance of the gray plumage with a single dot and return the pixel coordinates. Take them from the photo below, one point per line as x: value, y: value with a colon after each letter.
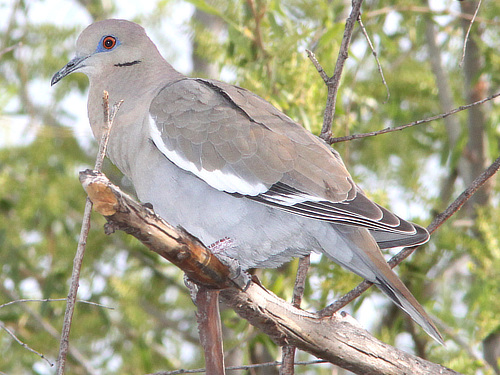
x: 225, y: 164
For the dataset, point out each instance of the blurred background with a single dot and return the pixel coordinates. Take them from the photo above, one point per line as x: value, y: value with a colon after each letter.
x: 148, y: 323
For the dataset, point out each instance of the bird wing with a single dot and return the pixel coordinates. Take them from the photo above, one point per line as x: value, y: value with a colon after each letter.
x: 240, y: 144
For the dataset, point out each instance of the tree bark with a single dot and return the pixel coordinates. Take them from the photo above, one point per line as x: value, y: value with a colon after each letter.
x: 210, y: 329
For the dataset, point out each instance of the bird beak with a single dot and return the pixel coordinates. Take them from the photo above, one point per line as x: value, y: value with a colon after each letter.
x: 70, y: 67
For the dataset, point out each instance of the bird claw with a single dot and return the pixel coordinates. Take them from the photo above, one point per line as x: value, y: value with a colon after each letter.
x: 236, y: 274
x: 192, y: 286
x: 148, y: 205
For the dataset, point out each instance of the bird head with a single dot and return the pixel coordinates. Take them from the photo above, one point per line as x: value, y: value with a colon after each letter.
x: 106, y: 45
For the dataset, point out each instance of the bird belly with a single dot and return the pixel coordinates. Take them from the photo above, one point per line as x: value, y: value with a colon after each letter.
x: 261, y: 236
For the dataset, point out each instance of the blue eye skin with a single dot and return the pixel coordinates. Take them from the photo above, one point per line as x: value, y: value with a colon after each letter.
x: 107, y: 43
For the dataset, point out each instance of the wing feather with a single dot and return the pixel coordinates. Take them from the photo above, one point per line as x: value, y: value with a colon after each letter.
x: 241, y: 144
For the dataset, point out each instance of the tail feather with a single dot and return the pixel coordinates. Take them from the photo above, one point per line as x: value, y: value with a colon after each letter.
x: 387, y: 240
x: 403, y: 298
x: 367, y: 261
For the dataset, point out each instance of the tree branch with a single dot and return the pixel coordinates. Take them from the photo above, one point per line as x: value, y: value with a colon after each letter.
x: 210, y: 329
x: 23, y: 300
x: 173, y: 244
x: 288, y: 356
x: 45, y: 325
x: 468, y: 33
x: 240, y: 368
x: 11, y: 48
x: 25, y: 346
x: 428, y: 10
x: 336, y: 339
x: 333, y: 82
x: 82, y: 242
x: 414, y: 123
x: 374, y: 53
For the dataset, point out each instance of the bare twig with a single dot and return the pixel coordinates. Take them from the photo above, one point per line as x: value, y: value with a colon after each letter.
x: 414, y: 123
x: 238, y: 368
x: 210, y: 329
x: 468, y: 32
x: 374, y: 53
x: 300, y: 280
x: 8, y: 49
x: 75, y: 277
x: 25, y: 346
x: 287, y: 360
x: 422, y: 9
x: 109, y: 115
x: 288, y: 356
x: 317, y: 65
x: 82, y: 242
x: 50, y: 329
x: 52, y: 300
x: 407, y: 251
x: 334, y: 81
x: 257, y: 16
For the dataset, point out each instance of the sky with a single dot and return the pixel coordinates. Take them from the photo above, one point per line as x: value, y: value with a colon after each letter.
x: 13, y: 129
x: 69, y: 13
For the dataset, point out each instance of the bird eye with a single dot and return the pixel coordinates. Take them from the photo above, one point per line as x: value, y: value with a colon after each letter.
x: 109, y: 42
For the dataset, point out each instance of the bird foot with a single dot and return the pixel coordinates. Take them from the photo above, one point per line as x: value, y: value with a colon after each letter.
x: 236, y: 273
x: 148, y: 205
x: 192, y: 287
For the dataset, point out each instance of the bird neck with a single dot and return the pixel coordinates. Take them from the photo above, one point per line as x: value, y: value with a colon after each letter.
x: 134, y: 86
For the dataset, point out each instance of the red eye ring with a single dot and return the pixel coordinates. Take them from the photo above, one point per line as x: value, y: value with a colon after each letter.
x: 109, y: 42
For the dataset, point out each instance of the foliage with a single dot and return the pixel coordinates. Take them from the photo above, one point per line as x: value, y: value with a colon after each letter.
x: 262, y: 48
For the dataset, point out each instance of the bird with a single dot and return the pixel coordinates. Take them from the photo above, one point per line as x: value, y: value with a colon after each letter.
x: 232, y: 169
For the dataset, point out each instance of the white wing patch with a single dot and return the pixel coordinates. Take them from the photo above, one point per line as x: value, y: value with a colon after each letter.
x: 223, y: 180
x: 291, y: 199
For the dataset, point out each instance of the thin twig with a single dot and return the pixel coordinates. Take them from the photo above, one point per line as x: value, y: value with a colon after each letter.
x: 8, y: 49
x: 53, y: 300
x: 317, y: 65
x: 468, y: 32
x: 257, y: 15
x: 47, y: 327
x: 109, y: 115
x: 25, y: 346
x: 288, y: 356
x: 238, y: 368
x: 82, y: 242
x: 374, y: 53
x: 407, y: 251
x: 420, y: 9
x: 334, y: 81
x: 300, y: 280
x: 75, y: 277
x: 414, y: 123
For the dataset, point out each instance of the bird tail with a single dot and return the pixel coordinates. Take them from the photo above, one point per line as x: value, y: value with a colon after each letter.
x: 368, y: 262
x: 402, y: 297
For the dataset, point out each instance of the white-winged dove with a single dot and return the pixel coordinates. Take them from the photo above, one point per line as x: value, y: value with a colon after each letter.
x: 229, y: 167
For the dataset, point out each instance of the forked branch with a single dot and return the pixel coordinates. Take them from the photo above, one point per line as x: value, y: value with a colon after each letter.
x: 337, y: 339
